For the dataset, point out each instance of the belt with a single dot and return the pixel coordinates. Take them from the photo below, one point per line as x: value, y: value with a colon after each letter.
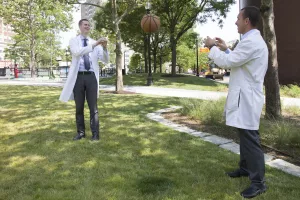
x: 85, y: 73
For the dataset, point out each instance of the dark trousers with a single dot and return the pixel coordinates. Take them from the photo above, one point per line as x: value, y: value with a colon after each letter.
x: 251, y: 156
x: 86, y: 88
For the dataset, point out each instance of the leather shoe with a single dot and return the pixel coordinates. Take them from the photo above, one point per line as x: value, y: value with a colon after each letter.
x: 95, y: 138
x: 253, y: 191
x: 237, y: 173
x: 78, y: 137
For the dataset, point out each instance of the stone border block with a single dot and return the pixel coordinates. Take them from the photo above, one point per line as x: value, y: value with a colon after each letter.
x: 216, y: 140
x: 285, y: 166
x: 232, y: 146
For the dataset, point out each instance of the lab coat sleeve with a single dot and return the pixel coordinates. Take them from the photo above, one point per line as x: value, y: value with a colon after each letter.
x: 77, y: 50
x: 103, y: 54
x: 236, y: 58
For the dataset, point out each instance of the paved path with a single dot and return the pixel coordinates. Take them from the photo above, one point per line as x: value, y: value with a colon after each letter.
x: 171, y: 92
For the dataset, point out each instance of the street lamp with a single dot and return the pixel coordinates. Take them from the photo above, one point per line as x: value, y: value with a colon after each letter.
x: 160, y: 45
x: 149, y: 78
x: 67, y: 53
x: 124, y: 73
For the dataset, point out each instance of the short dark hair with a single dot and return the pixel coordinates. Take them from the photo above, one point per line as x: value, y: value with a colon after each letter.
x: 82, y: 20
x: 253, y: 13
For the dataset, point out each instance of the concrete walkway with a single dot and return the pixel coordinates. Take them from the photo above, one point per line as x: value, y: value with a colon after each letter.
x: 160, y: 91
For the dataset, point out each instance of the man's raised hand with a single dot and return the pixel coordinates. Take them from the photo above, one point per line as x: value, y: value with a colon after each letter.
x: 221, y: 44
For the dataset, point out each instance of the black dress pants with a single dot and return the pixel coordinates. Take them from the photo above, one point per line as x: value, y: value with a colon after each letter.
x: 86, y: 87
x: 251, y: 156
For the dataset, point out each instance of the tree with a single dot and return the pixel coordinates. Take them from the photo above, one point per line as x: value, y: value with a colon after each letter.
x: 272, y: 87
x: 186, y: 52
x: 109, y: 18
x: 30, y: 19
x: 203, y: 60
x: 181, y: 15
x: 134, y: 37
x: 135, y: 62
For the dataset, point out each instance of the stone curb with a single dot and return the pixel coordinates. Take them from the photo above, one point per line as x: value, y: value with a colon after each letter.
x: 221, y: 142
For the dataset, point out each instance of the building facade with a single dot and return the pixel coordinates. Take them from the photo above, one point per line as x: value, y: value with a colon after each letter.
x: 6, y: 34
x: 88, y: 11
x: 288, y: 41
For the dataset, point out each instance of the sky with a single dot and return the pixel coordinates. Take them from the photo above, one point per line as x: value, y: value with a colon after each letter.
x: 66, y: 36
x: 228, y: 32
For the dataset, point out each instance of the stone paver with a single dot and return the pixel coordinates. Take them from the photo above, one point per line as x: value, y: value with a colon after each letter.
x: 200, y: 134
x: 285, y: 166
x: 216, y: 140
x: 232, y: 146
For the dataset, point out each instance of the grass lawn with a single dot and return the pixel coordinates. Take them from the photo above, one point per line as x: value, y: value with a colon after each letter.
x: 135, y: 159
x: 189, y: 82
x: 183, y: 82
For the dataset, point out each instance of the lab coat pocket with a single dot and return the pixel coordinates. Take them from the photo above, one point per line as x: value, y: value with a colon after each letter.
x: 233, y: 98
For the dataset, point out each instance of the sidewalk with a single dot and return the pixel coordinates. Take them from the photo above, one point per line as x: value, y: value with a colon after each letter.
x: 159, y: 91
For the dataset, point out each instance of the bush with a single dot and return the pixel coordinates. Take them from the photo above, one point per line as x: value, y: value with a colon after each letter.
x: 291, y: 91
x: 209, y: 112
x: 281, y: 132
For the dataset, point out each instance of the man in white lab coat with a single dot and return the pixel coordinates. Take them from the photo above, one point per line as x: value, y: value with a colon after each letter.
x: 248, y: 63
x: 83, y: 78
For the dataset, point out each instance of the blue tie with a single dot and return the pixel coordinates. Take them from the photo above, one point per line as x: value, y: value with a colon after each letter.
x: 87, y: 64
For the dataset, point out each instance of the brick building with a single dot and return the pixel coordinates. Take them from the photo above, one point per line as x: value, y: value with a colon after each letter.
x: 288, y: 41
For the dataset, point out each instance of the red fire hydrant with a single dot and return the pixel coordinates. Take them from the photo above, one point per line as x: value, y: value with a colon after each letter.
x: 16, y: 71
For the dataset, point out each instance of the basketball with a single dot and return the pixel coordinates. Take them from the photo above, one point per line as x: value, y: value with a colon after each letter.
x: 150, y: 23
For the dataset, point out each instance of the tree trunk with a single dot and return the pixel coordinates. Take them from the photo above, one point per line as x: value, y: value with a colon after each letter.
x: 32, y: 57
x: 145, y: 53
x: 160, y: 64
x: 119, y: 78
x: 154, y: 60
x: 272, y: 87
x: 173, y: 48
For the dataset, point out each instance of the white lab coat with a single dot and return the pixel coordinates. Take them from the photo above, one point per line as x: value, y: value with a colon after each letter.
x: 77, y: 50
x: 248, y: 63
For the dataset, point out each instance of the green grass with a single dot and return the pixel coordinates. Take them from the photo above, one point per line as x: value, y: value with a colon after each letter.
x: 182, y: 81
x: 189, y: 82
x: 281, y: 134
x: 136, y: 159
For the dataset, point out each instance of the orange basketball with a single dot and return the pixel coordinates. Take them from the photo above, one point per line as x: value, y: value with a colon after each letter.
x: 150, y: 23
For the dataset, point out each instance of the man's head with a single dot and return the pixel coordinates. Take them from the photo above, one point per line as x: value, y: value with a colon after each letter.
x: 84, y: 26
x: 248, y: 19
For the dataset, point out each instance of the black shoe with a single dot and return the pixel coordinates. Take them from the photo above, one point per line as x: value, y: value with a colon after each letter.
x: 79, y: 137
x: 237, y: 173
x: 253, y: 191
x: 95, y: 138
